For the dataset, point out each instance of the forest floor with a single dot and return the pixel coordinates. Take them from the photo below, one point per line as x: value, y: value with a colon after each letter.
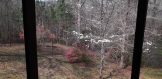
x: 55, y: 66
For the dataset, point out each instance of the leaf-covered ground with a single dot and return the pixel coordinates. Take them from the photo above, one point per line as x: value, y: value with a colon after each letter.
x: 56, y: 67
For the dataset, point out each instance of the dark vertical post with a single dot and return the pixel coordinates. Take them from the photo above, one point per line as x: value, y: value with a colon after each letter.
x: 29, y: 20
x: 139, y: 36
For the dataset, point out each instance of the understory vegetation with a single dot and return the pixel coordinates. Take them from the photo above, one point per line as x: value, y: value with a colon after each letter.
x: 81, y: 39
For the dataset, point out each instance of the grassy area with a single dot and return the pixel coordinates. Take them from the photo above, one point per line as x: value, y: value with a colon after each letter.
x: 56, y: 67
x: 12, y: 70
x: 17, y: 49
x: 152, y: 73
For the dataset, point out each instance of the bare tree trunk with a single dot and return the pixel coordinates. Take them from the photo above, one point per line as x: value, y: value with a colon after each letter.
x: 123, y: 50
x: 122, y: 62
x: 79, y: 18
x: 102, y: 61
x: 102, y: 44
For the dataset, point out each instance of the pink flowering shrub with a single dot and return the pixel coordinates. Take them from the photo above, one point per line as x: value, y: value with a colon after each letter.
x: 21, y: 35
x: 74, y: 55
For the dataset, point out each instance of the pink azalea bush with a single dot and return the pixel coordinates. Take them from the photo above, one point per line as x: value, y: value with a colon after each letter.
x: 74, y: 55
x: 21, y: 35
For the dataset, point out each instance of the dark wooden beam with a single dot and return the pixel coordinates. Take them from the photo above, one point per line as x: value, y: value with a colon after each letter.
x: 29, y: 20
x: 139, y: 36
